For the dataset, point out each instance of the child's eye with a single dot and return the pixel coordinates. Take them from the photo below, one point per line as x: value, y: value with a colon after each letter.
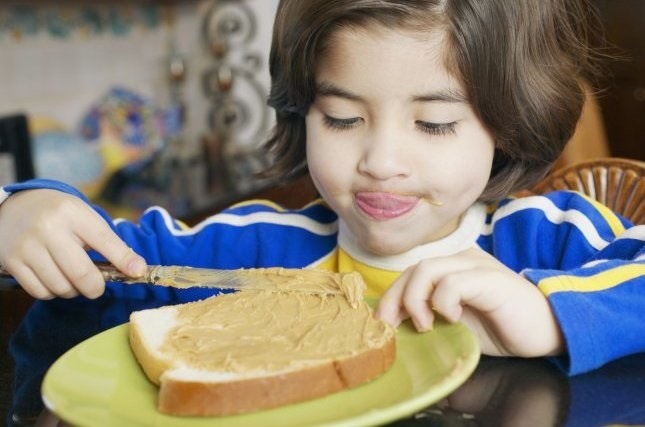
x: 340, y: 124
x: 437, y: 128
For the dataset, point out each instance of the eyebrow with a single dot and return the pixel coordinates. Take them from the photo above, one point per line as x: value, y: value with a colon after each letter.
x: 444, y: 95
x: 328, y: 89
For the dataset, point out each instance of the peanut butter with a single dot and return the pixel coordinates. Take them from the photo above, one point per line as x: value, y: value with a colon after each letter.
x: 266, y: 279
x: 277, y: 329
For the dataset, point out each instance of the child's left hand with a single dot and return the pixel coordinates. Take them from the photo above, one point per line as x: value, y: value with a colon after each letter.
x: 507, y: 313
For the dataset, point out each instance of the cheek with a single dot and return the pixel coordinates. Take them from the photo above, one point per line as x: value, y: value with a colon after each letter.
x: 468, y: 171
x: 322, y: 161
x: 316, y: 154
x: 476, y: 161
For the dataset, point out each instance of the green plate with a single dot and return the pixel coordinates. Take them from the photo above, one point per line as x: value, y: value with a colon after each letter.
x: 99, y: 383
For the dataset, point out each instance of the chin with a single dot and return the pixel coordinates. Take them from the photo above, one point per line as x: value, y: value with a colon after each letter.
x: 383, y: 247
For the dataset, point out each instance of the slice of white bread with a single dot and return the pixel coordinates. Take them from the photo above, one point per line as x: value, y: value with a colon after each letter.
x: 254, y: 350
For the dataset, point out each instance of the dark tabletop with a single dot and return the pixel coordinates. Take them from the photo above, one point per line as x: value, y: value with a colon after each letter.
x: 501, y: 392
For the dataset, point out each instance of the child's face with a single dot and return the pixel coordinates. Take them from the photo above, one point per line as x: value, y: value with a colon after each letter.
x: 392, y: 144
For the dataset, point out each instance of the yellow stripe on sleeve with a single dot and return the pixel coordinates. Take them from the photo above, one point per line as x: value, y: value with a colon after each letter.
x: 263, y: 202
x: 182, y: 225
x: 272, y: 204
x: 598, y: 282
x: 609, y: 216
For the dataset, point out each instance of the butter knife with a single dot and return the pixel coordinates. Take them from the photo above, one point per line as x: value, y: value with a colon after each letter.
x: 182, y: 277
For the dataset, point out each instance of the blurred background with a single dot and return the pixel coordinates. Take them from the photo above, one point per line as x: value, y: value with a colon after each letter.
x: 623, y: 104
x: 146, y: 102
x: 137, y: 103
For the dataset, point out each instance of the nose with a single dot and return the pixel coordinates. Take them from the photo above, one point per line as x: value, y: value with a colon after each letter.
x: 383, y: 157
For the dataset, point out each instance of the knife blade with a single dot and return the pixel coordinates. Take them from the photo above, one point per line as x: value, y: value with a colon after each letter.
x: 183, y: 277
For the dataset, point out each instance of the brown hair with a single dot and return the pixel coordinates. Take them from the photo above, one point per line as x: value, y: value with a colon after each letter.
x: 523, y: 64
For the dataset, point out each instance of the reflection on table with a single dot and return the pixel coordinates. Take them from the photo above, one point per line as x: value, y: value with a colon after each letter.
x: 501, y: 392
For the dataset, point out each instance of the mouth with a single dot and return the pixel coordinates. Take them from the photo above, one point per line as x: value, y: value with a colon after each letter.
x: 381, y: 205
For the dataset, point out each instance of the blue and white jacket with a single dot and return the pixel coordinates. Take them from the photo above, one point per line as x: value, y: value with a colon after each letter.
x: 588, y: 262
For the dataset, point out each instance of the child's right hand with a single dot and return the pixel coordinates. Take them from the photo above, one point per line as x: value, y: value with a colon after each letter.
x: 44, y: 235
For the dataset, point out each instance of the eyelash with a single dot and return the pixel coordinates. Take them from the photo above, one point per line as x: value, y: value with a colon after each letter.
x: 438, y: 129
x: 340, y: 124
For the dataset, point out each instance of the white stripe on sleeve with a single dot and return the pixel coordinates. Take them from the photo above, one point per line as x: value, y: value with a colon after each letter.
x: 3, y: 195
x: 554, y: 214
x: 286, y: 219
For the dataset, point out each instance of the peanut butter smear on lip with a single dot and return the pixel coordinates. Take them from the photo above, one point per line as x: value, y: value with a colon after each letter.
x: 277, y: 329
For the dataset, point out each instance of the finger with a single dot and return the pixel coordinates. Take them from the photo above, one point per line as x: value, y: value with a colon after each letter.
x: 40, y: 271
x: 418, y: 296
x: 98, y: 235
x: 27, y: 279
x: 50, y: 275
x: 416, y: 299
x: 401, y: 316
x: 77, y: 267
x: 458, y: 289
x: 390, y: 308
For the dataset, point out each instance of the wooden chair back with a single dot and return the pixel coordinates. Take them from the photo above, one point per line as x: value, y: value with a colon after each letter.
x: 615, y: 182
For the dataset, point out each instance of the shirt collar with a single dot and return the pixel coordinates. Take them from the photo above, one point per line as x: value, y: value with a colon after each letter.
x: 464, y: 237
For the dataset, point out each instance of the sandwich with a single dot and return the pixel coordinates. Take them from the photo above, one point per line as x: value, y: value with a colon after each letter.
x: 258, y: 349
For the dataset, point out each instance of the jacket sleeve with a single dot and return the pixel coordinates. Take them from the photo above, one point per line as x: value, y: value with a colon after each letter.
x: 589, y: 263
x: 247, y: 235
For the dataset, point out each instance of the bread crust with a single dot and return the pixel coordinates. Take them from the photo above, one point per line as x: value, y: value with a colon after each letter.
x: 152, y: 363
x: 190, y: 387
x: 192, y: 398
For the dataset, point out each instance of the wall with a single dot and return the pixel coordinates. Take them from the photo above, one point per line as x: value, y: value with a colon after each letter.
x: 623, y: 100
x: 58, y: 58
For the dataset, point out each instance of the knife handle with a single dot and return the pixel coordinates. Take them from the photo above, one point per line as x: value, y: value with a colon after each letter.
x: 110, y: 274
